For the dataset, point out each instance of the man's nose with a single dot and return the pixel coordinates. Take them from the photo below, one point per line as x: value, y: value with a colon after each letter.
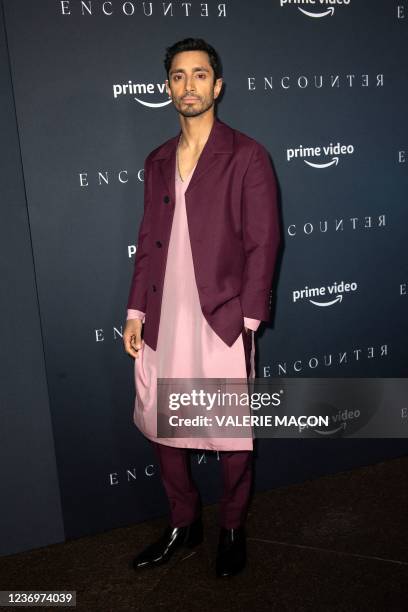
x: 190, y: 84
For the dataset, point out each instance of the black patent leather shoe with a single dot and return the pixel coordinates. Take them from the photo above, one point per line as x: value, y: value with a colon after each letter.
x: 231, y: 553
x: 173, y: 538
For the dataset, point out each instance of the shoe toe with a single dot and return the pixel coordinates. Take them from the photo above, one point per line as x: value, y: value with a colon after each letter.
x: 231, y: 552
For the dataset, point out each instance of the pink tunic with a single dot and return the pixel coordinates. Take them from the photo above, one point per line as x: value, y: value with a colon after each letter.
x: 187, y: 347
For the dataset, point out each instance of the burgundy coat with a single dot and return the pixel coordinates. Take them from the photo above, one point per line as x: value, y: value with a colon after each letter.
x: 232, y: 214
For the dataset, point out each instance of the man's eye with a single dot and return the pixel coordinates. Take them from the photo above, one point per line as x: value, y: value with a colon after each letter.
x: 202, y: 75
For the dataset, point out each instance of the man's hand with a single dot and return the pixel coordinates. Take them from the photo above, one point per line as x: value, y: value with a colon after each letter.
x: 132, y: 337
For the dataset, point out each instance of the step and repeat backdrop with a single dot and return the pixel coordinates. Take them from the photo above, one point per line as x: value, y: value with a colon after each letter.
x: 323, y: 86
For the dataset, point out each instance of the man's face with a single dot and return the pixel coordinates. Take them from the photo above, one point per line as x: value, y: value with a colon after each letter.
x: 191, y: 83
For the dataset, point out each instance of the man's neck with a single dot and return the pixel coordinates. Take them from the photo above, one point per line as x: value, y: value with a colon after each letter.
x: 195, y: 131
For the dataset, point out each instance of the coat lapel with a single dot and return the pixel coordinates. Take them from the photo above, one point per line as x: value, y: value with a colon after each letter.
x: 220, y: 140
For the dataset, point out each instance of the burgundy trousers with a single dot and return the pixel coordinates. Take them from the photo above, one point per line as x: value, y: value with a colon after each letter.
x: 182, y: 493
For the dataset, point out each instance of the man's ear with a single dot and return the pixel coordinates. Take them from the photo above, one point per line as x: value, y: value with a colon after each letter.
x: 168, y: 88
x: 218, y: 85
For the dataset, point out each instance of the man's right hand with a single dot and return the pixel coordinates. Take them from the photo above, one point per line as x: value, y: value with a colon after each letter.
x: 132, y: 337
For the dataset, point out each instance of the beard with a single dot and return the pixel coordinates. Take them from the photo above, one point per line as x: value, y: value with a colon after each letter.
x: 193, y: 110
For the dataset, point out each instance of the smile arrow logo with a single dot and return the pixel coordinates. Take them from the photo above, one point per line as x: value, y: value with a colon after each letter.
x: 331, y: 431
x: 329, y: 11
x: 153, y: 104
x: 335, y: 161
x: 338, y: 299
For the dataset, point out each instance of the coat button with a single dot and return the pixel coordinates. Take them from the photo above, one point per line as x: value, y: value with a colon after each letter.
x: 158, y: 243
x: 154, y: 287
x: 166, y: 199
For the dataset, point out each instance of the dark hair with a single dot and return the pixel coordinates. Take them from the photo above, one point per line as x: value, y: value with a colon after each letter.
x: 194, y: 44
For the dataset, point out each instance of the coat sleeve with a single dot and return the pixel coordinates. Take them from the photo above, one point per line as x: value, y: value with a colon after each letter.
x: 261, y: 234
x: 138, y: 289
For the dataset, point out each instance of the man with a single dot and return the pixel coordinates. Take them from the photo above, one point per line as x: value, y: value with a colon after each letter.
x: 201, y: 285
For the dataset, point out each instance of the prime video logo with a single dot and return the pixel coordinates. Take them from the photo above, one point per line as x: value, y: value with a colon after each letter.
x: 331, y: 150
x: 141, y: 89
x: 326, y: 295
x: 327, y: 5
